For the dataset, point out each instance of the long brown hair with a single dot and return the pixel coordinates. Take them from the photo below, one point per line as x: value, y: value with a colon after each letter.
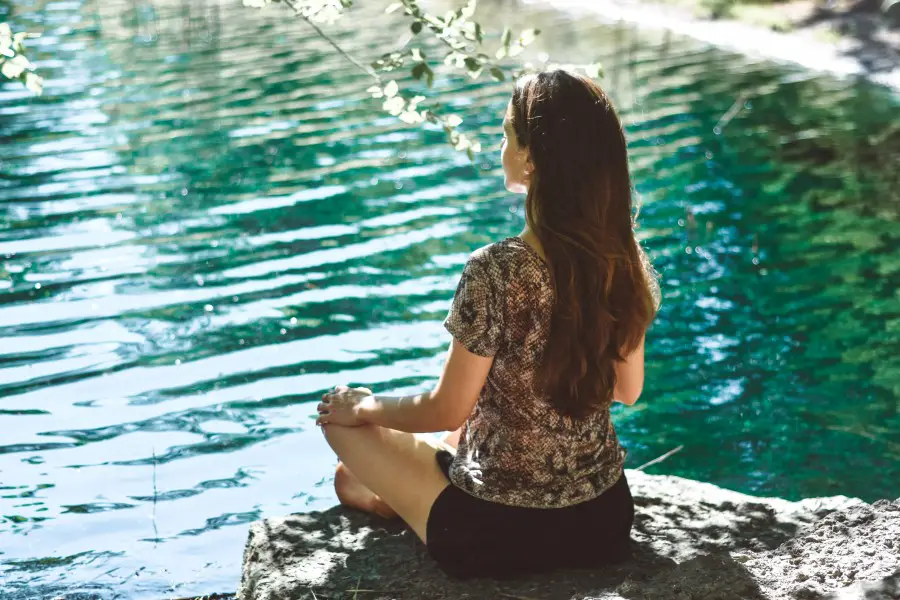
x: 579, y: 205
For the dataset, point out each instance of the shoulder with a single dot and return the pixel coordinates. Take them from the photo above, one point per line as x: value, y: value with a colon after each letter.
x: 493, y: 266
x: 500, y: 256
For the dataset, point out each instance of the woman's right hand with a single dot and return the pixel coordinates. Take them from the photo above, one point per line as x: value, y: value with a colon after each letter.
x: 341, y: 406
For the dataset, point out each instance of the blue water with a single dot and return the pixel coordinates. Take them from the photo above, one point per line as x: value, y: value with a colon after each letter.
x: 205, y: 222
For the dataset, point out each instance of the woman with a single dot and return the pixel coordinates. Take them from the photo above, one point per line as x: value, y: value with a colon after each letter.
x: 548, y: 330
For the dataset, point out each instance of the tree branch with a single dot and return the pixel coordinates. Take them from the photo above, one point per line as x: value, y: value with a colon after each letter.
x: 661, y: 458
x: 367, y: 70
x: 431, y: 21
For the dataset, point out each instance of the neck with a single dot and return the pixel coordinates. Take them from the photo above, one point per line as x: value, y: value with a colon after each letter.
x: 531, y: 238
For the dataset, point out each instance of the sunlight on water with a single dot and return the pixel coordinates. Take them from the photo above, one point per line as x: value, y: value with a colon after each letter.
x: 204, y: 223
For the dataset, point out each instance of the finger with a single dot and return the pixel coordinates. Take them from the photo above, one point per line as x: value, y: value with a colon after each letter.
x: 321, y: 407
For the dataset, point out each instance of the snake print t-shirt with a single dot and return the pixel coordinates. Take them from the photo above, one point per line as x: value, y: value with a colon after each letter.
x: 515, y: 448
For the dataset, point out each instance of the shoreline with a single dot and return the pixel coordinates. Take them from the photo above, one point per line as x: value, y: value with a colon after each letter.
x: 843, y: 56
x: 690, y: 540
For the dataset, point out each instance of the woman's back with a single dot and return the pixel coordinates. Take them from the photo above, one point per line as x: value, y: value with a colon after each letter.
x: 542, y: 344
x: 516, y: 448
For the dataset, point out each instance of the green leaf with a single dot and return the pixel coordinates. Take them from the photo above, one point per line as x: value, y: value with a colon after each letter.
x: 416, y: 27
x: 497, y: 73
x: 17, y: 44
x: 423, y: 69
x: 474, y: 67
x: 394, y: 105
x: 414, y: 103
x: 35, y: 83
x: 6, y: 40
x: 505, y: 41
x: 410, y: 116
x: 15, y: 66
x: 393, y: 7
x: 528, y: 36
x: 594, y: 70
x: 467, y: 11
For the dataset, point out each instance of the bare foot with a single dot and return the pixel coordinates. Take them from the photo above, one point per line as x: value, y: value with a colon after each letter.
x: 351, y: 492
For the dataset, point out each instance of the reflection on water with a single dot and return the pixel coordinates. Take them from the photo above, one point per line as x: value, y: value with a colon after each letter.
x: 205, y: 223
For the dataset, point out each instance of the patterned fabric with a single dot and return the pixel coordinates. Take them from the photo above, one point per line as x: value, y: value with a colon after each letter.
x: 515, y: 448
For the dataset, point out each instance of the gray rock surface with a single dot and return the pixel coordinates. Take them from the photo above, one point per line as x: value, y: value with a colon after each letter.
x: 692, y: 540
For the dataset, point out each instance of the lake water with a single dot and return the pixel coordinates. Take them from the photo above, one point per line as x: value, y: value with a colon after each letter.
x: 205, y: 223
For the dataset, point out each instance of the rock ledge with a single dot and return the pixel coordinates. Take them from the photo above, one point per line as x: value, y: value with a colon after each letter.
x: 692, y: 540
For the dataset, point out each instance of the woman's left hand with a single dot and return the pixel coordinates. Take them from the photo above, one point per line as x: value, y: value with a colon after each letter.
x: 340, y: 406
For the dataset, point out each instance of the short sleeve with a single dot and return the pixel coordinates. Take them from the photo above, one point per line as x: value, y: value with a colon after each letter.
x: 476, y: 315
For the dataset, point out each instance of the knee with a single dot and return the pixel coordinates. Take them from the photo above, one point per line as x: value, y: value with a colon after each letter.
x: 338, y: 436
x: 342, y: 477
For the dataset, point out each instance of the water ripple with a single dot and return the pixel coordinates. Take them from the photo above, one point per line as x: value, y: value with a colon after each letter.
x: 205, y: 223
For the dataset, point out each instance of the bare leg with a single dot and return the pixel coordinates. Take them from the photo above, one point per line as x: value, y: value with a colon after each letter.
x: 399, y: 468
x: 351, y: 492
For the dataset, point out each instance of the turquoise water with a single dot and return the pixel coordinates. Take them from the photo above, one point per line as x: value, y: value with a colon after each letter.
x: 204, y: 223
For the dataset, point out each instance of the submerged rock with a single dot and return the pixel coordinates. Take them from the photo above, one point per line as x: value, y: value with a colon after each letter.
x: 692, y: 540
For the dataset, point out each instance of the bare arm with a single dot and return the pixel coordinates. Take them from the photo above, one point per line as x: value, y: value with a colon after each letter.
x: 445, y: 408
x: 630, y: 377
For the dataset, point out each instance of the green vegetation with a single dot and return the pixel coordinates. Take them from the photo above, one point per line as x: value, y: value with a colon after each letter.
x: 461, y: 41
x: 13, y: 62
x: 450, y: 42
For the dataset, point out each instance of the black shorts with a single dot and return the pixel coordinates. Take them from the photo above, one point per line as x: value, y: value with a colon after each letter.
x: 470, y: 537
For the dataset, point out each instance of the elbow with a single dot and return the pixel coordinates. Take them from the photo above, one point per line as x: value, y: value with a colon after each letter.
x: 452, y: 422
x: 448, y: 416
x: 628, y: 397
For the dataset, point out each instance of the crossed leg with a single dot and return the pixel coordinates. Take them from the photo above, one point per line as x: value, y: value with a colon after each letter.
x: 351, y: 492
x: 387, y: 472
